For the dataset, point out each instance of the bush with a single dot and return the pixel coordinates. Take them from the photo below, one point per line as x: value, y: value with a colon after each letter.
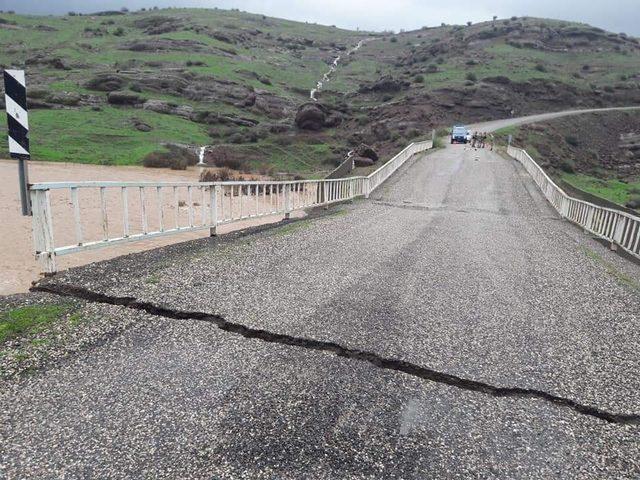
x: 471, y: 77
x: 568, y: 165
x: 418, y: 79
x: 393, y: 39
x: 228, y: 162
x: 540, y: 67
x: 173, y: 157
x: 222, y: 175
x: 119, y: 32
x: 572, y: 140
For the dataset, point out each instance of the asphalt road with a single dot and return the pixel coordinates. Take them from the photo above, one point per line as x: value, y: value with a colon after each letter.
x: 456, y: 266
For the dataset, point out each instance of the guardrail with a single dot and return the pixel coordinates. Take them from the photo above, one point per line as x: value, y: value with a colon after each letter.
x: 131, y: 211
x: 621, y: 229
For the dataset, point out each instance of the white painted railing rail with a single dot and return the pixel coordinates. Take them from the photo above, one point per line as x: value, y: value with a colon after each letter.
x: 620, y: 228
x: 131, y: 211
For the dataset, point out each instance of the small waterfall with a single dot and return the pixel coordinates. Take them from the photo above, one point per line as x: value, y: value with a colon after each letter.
x: 201, y: 155
x: 332, y: 68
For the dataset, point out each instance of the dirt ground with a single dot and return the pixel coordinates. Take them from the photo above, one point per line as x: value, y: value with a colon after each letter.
x: 18, y: 265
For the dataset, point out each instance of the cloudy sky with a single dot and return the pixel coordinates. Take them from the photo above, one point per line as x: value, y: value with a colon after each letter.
x: 614, y: 15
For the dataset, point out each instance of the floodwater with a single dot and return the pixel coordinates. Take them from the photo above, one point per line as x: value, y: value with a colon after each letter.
x: 18, y: 266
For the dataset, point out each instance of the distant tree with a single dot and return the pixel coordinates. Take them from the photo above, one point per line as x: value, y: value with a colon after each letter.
x: 469, y: 24
x: 495, y: 17
x: 443, y: 24
x: 124, y: 9
x: 72, y: 14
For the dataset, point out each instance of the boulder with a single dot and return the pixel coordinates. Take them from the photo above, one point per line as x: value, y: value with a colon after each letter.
x: 123, y: 98
x: 362, y: 162
x: 366, y: 151
x: 311, y: 116
x: 141, y: 126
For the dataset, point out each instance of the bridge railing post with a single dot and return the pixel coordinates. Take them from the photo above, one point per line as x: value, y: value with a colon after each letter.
x: 42, y: 225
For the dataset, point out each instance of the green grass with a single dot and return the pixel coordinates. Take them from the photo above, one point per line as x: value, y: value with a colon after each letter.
x: 29, y: 320
x: 610, y: 189
x: 621, y: 277
x: 106, y: 137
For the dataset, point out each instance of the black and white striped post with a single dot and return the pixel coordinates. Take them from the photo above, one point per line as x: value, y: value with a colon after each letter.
x: 15, y: 95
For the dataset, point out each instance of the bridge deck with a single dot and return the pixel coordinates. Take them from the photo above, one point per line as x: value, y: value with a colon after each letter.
x: 456, y: 266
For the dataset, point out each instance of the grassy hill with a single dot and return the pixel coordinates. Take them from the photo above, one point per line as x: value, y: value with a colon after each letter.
x: 111, y: 88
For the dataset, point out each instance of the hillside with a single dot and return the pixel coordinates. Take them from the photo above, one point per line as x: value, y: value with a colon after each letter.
x: 112, y: 87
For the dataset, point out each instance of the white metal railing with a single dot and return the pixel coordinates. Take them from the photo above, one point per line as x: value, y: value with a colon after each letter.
x: 620, y: 228
x: 380, y: 175
x: 64, y: 212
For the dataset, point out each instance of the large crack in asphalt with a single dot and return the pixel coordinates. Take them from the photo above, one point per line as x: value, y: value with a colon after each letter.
x: 378, y: 361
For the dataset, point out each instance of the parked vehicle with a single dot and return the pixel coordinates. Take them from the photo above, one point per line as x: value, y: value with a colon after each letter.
x: 459, y: 134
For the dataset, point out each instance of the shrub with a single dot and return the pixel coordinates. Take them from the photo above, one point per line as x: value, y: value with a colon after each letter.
x: 608, y: 89
x: 432, y: 68
x: 222, y: 175
x: 223, y: 160
x: 572, y: 140
x: 471, y: 77
x: 540, y: 67
x: 586, y: 68
x: 393, y: 39
x: 418, y: 79
x: 568, y: 165
x: 173, y: 157
x: 119, y: 32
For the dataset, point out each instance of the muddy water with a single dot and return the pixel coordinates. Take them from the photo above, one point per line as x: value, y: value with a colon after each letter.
x: 18, y: 267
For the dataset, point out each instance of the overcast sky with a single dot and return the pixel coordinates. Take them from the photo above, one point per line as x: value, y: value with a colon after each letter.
x: 614, y: 15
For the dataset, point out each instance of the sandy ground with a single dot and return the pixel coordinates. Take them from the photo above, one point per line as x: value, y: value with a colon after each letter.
x: 18, y: 265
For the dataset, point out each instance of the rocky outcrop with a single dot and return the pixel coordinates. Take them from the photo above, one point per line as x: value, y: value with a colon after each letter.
x: 159, y: 106
x: 162, y: 44
x: 106, y: 83
x: 123, y: 98
x: 213, y: 118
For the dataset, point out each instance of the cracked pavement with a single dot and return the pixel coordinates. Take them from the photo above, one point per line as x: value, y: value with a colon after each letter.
x: 457, y: 265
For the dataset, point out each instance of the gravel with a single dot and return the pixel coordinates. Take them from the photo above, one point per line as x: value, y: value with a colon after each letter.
x: 457, y: 264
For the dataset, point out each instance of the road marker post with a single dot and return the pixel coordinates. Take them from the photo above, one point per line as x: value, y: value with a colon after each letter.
x: 15, y: 95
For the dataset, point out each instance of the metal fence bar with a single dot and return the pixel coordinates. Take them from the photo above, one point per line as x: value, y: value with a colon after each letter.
x: 268, y: 197
x: 620, y: 228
